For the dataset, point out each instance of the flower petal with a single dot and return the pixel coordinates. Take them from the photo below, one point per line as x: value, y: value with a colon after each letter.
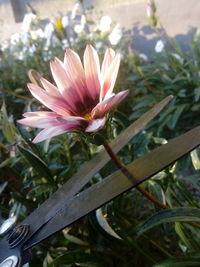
x: 41, y: 114
x: 106, y: 105
x: 96, y: 125
x: 59, y: 74
x: 50, y: 88
x: 108, y: 58
x: 75, y: 71
x: 110, y: 77
x: 66, y: 86
x: 54, y: 131
x: 92, y: 72
x: 39, y: 122
x: 54, y: 103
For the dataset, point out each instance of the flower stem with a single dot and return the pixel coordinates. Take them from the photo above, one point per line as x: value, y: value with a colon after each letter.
x: 126, y: 172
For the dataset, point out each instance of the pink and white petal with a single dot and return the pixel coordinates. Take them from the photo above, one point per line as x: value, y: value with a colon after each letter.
x: 106, y: 105
x: 74, y: 68
x: 50, y: 88
x: 54, y: 103
x: 92, y: 72
x: 65, y: 85
x: 73, y: 119
x: 108, y: 58
x: 110, y: 78
x: 96, y: 125
x: 41, y: 114
x: 39, y: 122
x: 59, y: 74
x: 54, y: 131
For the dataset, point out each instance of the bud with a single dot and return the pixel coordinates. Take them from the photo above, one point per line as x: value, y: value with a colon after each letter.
x: 151, y: 12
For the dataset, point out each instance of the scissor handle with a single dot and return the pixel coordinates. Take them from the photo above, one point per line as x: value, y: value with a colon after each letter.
x: 11, y: 261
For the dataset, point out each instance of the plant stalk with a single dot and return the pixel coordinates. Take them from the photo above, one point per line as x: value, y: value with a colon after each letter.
x: 126, y: 172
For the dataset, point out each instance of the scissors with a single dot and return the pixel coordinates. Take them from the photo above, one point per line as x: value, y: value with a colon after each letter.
x: 69, y: 203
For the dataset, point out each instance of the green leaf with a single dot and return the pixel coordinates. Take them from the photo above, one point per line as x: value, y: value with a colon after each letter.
x: 156, y: 190
x: 179, y: 262
x: 5, y: 162
x: 195, y: 159
x: 176, y: 116
x: 104, y: 224
x: 38, y: 165
x: 77, y: 257
x: 179, y: 228
x: 197, y: 94
x: 8, y: 127
x: 73, y: 238
x: 169, y: 215
x: 3, y: 186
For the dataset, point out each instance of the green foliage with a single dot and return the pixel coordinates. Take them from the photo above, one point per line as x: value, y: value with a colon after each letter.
x: 115, y: 235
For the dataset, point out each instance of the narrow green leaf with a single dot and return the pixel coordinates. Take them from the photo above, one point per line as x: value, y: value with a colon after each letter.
x: 5, y: 162
x: 195, y: 159
x: 8, y: 127
x: 73, y: 238
x: 104, y: 224
x: 77, y: 257
x: 179, y: 262
x: 169, y: 215
x: 38, y: 165
x: 176, y: 115
x: 197, y: 94
x: 3, y: 186
x: 179, y: 228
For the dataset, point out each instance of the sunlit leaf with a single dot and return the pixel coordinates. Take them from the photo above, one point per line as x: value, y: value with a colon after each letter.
x: 195, y: 159
x: 169, y: 215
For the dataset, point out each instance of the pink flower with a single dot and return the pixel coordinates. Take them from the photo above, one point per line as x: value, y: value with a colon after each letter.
x: 81, y: 98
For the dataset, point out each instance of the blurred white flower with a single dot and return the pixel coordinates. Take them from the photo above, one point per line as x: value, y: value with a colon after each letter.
x: 159, y: 46
x: 143, y: 57
x: 39, y: 33
x: 178, y: 57
x: 32, y: 50
x: 65, y: 43
x: 15, y: 38
x: 105, y: 24
x: 28, y: 19
x: 98, y: 45
x: 21, y: 55
x: 83, y: 19
x: 65, y: 21
x: 24, y: 36
x: 78, y: 28
x: 74, y: 10
x: 115, y: 35
x: 4, y: 45
x: 48, y: 32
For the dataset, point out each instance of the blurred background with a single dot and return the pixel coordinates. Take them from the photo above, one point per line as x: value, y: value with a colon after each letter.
x: 180, y: 18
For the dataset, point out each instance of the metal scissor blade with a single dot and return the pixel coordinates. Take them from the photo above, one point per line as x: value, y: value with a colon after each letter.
x: 115, y: 184
x: 51, y: 206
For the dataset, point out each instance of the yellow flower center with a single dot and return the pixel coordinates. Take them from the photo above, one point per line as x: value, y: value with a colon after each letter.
x: 88, y: 116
